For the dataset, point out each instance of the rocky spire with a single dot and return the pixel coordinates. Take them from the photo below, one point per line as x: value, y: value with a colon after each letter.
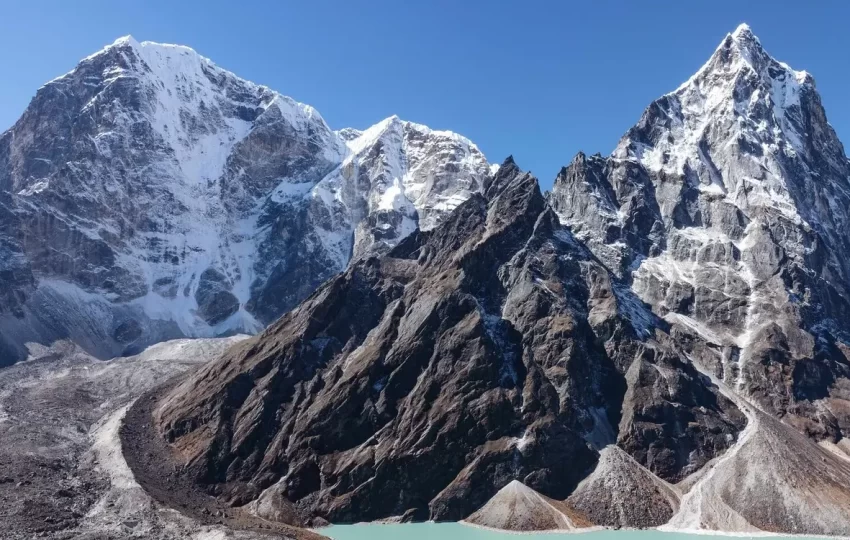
x: 738, y: 49
x: 728, y: 199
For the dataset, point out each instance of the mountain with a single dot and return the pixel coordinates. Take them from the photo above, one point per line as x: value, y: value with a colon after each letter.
x: 149, y: 194
x: 493, y: 347
x: 620, y: 491
x: 726, y: 208
x: 661, y: 340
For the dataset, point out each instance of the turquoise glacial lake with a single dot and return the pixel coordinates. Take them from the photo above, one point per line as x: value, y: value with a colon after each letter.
x: 457, y: 531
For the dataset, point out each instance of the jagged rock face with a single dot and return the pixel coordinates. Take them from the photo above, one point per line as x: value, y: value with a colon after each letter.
x: 726, y: 209
x: 400, y: 176
x: 611, y: 207
x: 491, y: 348
x: 149, y: 194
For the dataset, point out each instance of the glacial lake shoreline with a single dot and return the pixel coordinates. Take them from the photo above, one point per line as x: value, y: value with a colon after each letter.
x: 465, y: 531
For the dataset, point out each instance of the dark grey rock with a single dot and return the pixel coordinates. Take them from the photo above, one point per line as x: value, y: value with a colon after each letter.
x: 215, y: 301
x: 489, y: 349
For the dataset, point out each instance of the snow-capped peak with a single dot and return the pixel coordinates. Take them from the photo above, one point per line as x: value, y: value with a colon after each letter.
x: 188, y: 86
x: 371, y: 135
x: 125, y: 41
x: 401, y: 175
x: 460, y: 139
x: 743, y: 29
x: 348, y: 134
x: 205, y: 203
x: 742, y: 50
x: 748, y: 45
x: 744, y: 37
x: 741, y: 93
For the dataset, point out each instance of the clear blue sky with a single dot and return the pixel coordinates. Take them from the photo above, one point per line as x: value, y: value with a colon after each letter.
x: 539, y: 80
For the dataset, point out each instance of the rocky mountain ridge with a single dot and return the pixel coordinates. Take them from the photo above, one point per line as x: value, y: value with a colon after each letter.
x: 493, y: 347
x: 725, y: 208
x: 684, y: 299
x: 662, y: 340
x: 150, y: 194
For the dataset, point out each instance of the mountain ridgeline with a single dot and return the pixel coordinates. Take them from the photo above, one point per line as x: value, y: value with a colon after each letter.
x: 149, y: 194
x: 661, y: 340
x: 684, y: 299
x: 726, y: 209
x: 491, y: 348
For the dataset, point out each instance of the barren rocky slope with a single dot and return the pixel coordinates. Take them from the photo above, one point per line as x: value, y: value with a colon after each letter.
x: 621, y: 492
x: 492, y: 348
x: 516, y: 507
x: 62, y: 474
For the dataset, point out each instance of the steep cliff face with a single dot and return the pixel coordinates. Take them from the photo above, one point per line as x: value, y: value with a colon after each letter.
x: 149, y: 193
x: 397, y: 177
x: 726, y: 209
x: 491, y: 348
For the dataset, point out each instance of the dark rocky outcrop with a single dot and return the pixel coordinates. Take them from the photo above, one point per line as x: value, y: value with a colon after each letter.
x: 215, y: 301
x: 490, y: 349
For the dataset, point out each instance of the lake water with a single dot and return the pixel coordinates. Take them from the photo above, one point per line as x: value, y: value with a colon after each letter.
x: 457, y: 531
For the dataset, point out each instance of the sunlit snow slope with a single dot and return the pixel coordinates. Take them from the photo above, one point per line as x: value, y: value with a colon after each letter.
x: 150, y: 194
